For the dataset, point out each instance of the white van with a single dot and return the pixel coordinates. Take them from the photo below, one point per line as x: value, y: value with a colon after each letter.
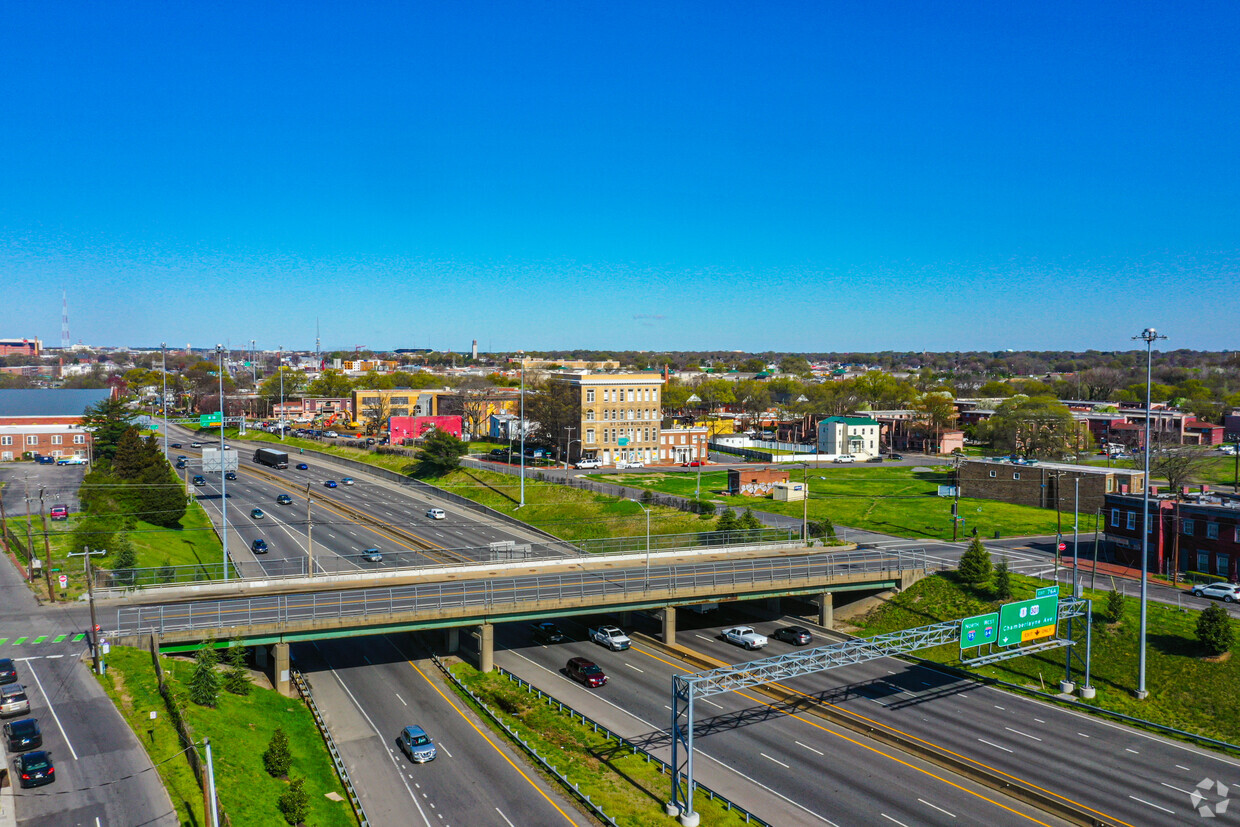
x: 589, y: 463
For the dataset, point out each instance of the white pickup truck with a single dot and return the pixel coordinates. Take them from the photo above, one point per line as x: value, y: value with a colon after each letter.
x: 744, y: 636
x: 611, y: 637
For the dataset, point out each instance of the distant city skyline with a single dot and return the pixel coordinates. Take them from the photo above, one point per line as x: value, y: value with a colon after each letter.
x: 798, y: 178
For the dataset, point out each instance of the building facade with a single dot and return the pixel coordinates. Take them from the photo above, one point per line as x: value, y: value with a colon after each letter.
x: 21, y: 347
x: 680, y: 445
x: 1201, y: 535
x: 47, y: 422
x: 848, y: 435
x: 745, y: 482
x: 619, y: 416
x: 1045, y: 484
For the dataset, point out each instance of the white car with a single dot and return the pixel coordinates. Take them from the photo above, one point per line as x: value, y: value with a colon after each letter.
x: 1227, y: 592
x: 744, y: 636
x: 436, y: 514
x: 589, y: 463
x: 845, y: 458
x: 621, y: 464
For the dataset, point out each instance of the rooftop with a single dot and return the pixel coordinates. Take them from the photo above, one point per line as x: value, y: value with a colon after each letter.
x: 47, y: 402
x: 1055, y: 466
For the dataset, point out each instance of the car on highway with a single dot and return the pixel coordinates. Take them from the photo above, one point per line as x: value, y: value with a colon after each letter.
x: 329, y: 483
x: 585, y: 671
x: 744, y: 636
x: 796, y: 635
x: 180, y: 464
x: 546, y: 632
x: 415, y: 743
x: 8, y: 672
x: 59, y: 512
x: 346, y: 480
x: 230, y: 475
x: 34, y: 769
x: 259, y: 546
x: 1227, y: 592
x: 693, y: 463
x: 372, y: 555
x: 22, y: 735
x: 199, y: 479
x: 610, y: 636
x: 256, y: 514
x: 436, y: 514
x: 195, y: 445
x: 13, y: 701
x: 284, y: 499
x: 174, y: 445
x: 301, y: 466
x: 182, y: 458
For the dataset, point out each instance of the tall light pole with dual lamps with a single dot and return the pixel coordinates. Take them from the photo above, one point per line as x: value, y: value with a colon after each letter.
x: 1149, y: 336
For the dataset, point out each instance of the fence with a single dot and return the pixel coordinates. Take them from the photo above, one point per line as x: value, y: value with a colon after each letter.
x: 170, y: 575
x: 303, y: 688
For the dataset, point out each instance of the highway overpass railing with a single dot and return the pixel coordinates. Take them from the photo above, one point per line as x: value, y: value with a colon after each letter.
x: 497, y: 595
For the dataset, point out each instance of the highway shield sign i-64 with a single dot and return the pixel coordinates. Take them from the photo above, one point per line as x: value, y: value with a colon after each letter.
x: 974, y: 631
x: 1027, y: 620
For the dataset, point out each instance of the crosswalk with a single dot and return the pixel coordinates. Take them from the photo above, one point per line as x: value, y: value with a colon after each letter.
x: 34, y: 640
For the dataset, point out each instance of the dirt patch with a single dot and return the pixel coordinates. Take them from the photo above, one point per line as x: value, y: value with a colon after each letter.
x: 122, y: 695
x: 1223, y: 658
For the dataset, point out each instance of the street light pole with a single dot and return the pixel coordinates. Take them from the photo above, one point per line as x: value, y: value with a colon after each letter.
x: 804, y: 503
x: 280, y: 367
x: 647, y: 510
x: 1149, y: 336
x: 163, y: 399
x: 522, y: 427
x: 223, y: 480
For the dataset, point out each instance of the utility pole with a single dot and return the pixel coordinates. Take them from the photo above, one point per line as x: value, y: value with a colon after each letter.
x: 804, y: 501
x: 29, y: 536
x: 47, y: 552
x: 223, y: 478
x: 4, y: 526
x: 212, y: 807
x: 522, y: 426
x: 309, y: 532
x: 1235, y: 480
x: 1093, y: 577
x: 956, y: 499
x: 95, y: 653
x: 163, y: 399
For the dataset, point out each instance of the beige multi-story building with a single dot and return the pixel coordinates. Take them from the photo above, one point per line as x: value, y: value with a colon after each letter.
x: 619, y: 416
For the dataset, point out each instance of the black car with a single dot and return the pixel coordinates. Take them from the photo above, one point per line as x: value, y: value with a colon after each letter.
x: 895, y: 456
x: 8, y: 672
x: 22, y: 735
x: 174, y: 445
x: 259, y: 546
x: 301, y: 466
x: 34, y: 769
x: 199, y: 479
x: 875, y: 459
x: 797, y: 635
x: 42, y: 460
x: 180, y: 464
x: 284, y: 499
x: 230, y: 475
x: 548, y: 633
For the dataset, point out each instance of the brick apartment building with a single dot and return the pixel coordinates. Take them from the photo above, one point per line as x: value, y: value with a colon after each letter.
x: 1201, y: 535
x: 683, y: 444
x: 47, y: 422
x: 619, y: 416
x: 21, y: 347
x: 1045, y: 484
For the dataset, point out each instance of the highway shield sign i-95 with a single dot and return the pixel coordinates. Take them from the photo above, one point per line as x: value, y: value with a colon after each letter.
x: 974, y: 631
x: 1027, y: 620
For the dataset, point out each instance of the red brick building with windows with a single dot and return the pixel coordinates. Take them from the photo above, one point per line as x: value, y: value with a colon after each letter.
x: 46, y: 422
x: 21, y: 347
x: 1201, y: 535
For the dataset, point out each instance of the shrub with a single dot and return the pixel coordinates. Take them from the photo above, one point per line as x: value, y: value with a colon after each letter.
x: 237, y: 676
x: 975, y: 566
x: 1003, y: 581
x: 204, y: 681
x: 1115, y: 607
x: 1215, y: 631
x: 294, y: 802
x: 277, y: 758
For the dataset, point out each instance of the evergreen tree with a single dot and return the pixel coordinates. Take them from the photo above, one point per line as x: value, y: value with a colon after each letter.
x: 162, y: 497
x: 129, y: 459
x: 277, y: 758
x: 237, y: 675
x: 1003, y: 581
x: 749, y: 521
x: 728, y: 524
x: 975, y: 565
x: 441, y: 452
x: 124, y: 556
x: 1115, y: 607
x: 107, y: 421
x: 204, y: 681
x: 1215, y: 631
x: 822, y: 528
x: 294, y: 802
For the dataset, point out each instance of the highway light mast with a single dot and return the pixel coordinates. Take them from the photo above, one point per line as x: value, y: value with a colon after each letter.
x: 1149, y: 336
x: 219, y: 349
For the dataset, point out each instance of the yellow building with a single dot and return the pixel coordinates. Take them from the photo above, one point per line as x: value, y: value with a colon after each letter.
x: 619, y: 417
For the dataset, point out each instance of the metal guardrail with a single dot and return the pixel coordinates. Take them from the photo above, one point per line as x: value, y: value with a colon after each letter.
x: 303, y: 688
x: 664, y: 767
x: 489, y: 595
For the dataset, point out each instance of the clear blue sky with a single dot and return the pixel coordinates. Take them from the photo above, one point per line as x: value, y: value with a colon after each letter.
x: 787, y: 176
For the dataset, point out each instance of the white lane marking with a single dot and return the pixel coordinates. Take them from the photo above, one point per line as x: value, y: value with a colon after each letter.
x: 504, y: 817
x: 808, y: 747
x: 999, y: 707
x: 634, y: 668
x: 1026, y: 734
x: 1151, y: 804
x: 1177, y: 789
x: 399, y: 698
x: 1181, y: 766
x: 769, y: 758
x: 703, y: 637
x: 668, y: 708
x: 52, y: 710
x: 445, y: 749
x: 1039, y: 720
x: 712, y: 703
x: 940, y: 809
x: 343, y: 686
x: 1133, y: 751
x: 996, y: 746
x: 892, y: 820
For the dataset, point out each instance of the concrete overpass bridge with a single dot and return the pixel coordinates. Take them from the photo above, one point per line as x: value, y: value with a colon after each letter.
x: 277, y: 613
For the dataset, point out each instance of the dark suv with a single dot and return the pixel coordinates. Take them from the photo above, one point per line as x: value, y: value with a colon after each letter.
x: 547, y: 633
x: 8, y: 672
x: 22, y: 735
x: 259, y: 546
x: 586, y: 671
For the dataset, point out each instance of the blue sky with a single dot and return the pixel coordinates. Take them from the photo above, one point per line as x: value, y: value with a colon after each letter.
x: 782, y: 176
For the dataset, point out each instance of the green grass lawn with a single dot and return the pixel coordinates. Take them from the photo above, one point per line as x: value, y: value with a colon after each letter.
x: 1186, y: 691
x: 626, y: 787
x: 902, y: 501
x: 239, y: 729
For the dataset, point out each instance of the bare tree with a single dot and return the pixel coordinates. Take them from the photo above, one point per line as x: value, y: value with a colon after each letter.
x: 1179, y: 465
x: 376, y: 413
x: 474, y: 395
x: 1097, y: 384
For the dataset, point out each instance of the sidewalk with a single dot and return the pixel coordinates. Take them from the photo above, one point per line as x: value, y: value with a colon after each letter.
x: 1116, y: 570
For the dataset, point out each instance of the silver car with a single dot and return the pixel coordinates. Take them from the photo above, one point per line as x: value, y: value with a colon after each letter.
x: 415, y: 743
x: 13, y: 701
x: 1227, y: 592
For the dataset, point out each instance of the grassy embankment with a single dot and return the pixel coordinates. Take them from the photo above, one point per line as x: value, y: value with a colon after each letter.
x: 624, y: 785
x: 239, y: 729
x: 902, y: 501
x: 1187, y: 691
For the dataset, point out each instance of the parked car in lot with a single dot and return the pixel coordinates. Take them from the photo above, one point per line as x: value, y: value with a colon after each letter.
x: 693, y: 463
x: 301, y: 466
x: 845, y: 458
x: 13, y: 701
x: 199, y: 479
x: 22, y: 735
x: 415, y: 743
x: 546, y: 632
x: 259, y: 546
x: 744, y: 636
x: 42, y: 460
x: 621, y: 464
x: 330, y: 483
x: 59, y: 512
x: 796, y: 635
x: 589, y: 463
x: 436, y: 514
x: 34, y: 769
x: 372, y: 555
x: 256, y: 514
x: 284, y: 499
x: 71, y: 461
x: 8, y: 672
x: 1224, y: 591
x: 586, y: 671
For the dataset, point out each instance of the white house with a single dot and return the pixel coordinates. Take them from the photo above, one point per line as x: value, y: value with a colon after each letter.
x: 848, y: 435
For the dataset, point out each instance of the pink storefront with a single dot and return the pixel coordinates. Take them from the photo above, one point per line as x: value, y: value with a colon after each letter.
x: 401, y: 428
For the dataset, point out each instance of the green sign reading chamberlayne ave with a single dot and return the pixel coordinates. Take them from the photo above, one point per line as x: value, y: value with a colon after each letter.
x: 1027, y: 620
x: 974, y: 631
x: 207, y: 420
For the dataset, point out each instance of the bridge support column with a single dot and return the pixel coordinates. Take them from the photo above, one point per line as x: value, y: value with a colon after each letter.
x: 486, y: 647
x: 669, y: 626
x: 826, y: 610
x: 281, y: 671
x: 452, y: 640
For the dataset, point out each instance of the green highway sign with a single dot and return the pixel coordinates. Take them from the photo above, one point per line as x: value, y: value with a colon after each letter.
x: 1047, y: 591
x: 1027, y: 620
x: 207, y: 420
x: 974, y: 631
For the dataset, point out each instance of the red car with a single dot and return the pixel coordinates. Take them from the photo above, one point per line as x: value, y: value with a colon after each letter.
x: 586, y: 671
x: 60, y: 512
x: 694, y: 463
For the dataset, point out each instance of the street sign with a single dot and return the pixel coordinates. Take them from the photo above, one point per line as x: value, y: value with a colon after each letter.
x: 974, y: 631
x: 1063, y: 546
x: 207, y: 420
x: 63, y: 580
x: 1047, y: 591
x: 1027, y: 620
x: 622, y: 441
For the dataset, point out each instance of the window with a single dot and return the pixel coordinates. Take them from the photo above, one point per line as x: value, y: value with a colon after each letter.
x: 1110, y: 484
x: 590, y: 415
x: 79, y: 439
x: 1015, y: 475
x: 589, y: 436
x: 630, y: 394
x: 1222, y: 564
x: 1203, y: 561
x: 6, y: 456
x: 370, y: 400
x: 1211, y: 531
x: 1188, y: 528
x: 6, y: 440
x: 1114, y: 518
x: 57, y: 439
x: 632, y: 413
x: 400, y: 400
x: 1132, y: 520
x: 32, y: 439
x: 992, y: 473
x: 590, y: 395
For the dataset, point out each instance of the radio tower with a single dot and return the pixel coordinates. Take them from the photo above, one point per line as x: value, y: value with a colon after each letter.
x: 318, y: 359
x: 64, y: 319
